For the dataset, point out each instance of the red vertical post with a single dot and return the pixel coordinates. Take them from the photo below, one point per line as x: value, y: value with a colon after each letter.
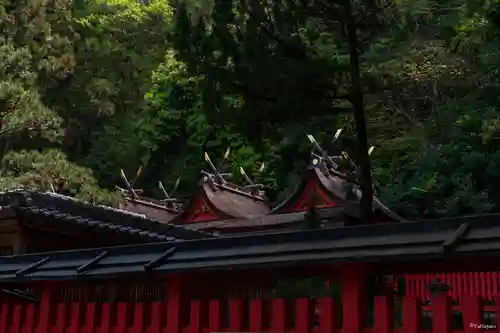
x: 90, y: 322
x: 121, y: 318
x: 327, y: 315
x: 278, y: 315
x: 27, y: 325
x: 488, y: 287
x: 497, y: 308
x: 45, y: 308
x: 441, y: 307
x: 353, y: 297
x: 174, y: 304
x: 61, y: 319
x: 156, y: 315
x: 215, y: 315
x: 195, y: 317
x: 74, y: 318
x: 235, y: 315
x: 495, y: 284
x: 472, y: 310
x: 412, y: 314
x: 16, y: 317
x: 257, y: 315
x: 4, y: 313
x: 138, y: 323
x: 383, y: 314
x: 105, y: 324
x: 303, y: 315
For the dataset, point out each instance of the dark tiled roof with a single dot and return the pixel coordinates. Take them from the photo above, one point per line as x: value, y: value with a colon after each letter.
x: 97, y: 216
x: 450, y: 238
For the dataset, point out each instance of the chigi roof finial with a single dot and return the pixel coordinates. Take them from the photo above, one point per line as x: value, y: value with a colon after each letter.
x: 216, y: 172
x: 252, y: 184
x: 129, y: 185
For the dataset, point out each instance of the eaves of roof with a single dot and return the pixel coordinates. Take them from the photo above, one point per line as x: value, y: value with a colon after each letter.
x: 403, y: 241
x: 78, y: 213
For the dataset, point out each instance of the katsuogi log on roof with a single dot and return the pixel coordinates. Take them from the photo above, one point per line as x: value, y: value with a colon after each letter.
x: 331, y: 182
x: 159, y: 210
x: 217, y: 199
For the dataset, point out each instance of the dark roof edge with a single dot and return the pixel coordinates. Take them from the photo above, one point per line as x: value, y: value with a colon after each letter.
x: 30, y: 198
x: 367, y: 243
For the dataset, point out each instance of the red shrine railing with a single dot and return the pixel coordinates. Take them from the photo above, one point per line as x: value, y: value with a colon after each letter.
x: 273, y: 315
x: 180, y: 312
x: 462, y: 284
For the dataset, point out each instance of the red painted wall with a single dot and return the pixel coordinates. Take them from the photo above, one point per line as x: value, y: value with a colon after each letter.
x: 304, y: 203
x: 200, y: 211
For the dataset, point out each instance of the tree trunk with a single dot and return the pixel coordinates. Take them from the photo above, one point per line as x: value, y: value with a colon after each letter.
x: 366, y: 203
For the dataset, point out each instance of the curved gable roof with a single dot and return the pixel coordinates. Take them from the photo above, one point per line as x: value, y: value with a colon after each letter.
x: 216, y: 200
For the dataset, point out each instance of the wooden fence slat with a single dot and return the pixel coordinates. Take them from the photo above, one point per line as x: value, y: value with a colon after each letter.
x: 235, y: 315
x: 45, y: 311
x: 441, y: 307
x: 412, y: 319
x: 303, y: 315
x: 214, y: 315
x: 156, y: 313
x: 89, y: 318
x: 257, y: 316
x: 327, y: 315
x: 477, y: 284
x: 383, y: 314
x: 5, y: 314
x: 74, y: 318
x: 16, y: 317
x: 60, y: 323
x: 495, y: 284
x: 460, y: 286
x: 138, y: 321
x: 472, y: 284
x: 354, y: 298
x: 278, y: 315
x: 175, y: 304
x: 496, y: 308
x: 425, y: 283
x: 89, y: 324
x: 472, y: 310
x: 412, y: 315
x: 483, y: 284
x: 489, y: 291
x: 453, y: 284
x: 106, y: 312
x: 194, y: 317
x: 29, y: 318
x: 121, y: 318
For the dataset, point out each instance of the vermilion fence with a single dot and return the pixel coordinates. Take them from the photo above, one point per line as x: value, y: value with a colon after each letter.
x: 170, y: 305
x: 273, y: 315
x: 462, y: 284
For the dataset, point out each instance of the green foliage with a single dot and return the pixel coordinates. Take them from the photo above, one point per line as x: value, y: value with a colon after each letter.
x: 51, y: 169
x: 89, y: 87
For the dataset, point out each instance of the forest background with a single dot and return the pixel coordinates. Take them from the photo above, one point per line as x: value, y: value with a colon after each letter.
x: 89, y: 87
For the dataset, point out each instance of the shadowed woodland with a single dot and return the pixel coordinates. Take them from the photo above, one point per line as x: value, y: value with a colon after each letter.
x: 91, y: 87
